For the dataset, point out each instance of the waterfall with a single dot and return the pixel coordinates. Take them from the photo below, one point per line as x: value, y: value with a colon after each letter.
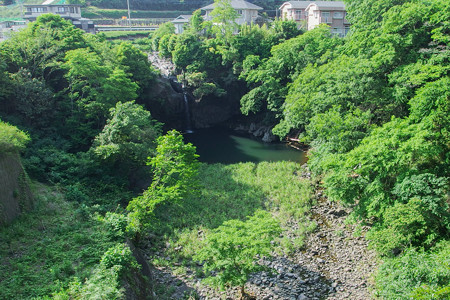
x: 187, y: 114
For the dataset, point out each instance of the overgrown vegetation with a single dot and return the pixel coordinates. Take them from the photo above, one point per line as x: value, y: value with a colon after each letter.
x: 55, y: 246
x: 210, y: 57
x: 75, y: 94
x: 374, y: 106
x: 234, y: 204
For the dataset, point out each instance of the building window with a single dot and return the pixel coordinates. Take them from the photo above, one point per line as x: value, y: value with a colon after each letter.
x: 240, y: 11
x: 316, y: 14
x: 338, y: 15
x: 326, y: 17
x: 37, y: 9
x: 337, y: 31
x: 346, y: 30
x: 72, y: 9
x: 298, y: 14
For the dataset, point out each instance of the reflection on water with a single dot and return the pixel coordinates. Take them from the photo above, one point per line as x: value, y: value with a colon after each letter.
x: 220, y: 145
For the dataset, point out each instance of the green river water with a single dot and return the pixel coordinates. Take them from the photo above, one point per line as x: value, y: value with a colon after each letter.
x: 221, y: 145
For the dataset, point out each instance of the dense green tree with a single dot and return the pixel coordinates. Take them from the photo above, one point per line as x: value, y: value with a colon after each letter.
x: 135, y: 63
x: 6, y: 89
x: 367, y: 174
x: 96, y: 87
x: 270, y: 79
x: 196, y: 22
x: 129, y: 134
x: 187, y: 51
x: 163, y: 29
x: 42, y: 45
x: 33, y: 100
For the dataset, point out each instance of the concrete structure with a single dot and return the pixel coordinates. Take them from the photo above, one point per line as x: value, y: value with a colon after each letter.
x: 180, y: 22
x: 70, y: 12
x: 295, y: 11
x: 8, y: 26
x: 309, y: 14
x: 247, y: 11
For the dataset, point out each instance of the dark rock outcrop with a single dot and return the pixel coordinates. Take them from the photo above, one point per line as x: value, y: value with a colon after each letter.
x: 165, y: 104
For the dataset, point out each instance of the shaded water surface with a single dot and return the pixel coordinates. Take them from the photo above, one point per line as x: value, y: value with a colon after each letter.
x: 221, y: 145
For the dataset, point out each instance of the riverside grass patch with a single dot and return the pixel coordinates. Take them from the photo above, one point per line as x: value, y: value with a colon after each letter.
x: 43, y: 251
x: 233, y: 192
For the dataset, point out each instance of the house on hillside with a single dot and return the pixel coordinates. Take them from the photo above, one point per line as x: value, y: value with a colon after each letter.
x: 180, y: 22
x: 6, y: 27
x: 71, y: 12
x: 247, y: 12
x: 309, y: 14
x: 331, y: 13
x: 295, y: 11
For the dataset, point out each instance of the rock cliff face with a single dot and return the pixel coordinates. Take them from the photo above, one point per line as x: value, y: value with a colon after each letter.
x: 213, y: 110
x: 15, y: 194
x: 167, y: 104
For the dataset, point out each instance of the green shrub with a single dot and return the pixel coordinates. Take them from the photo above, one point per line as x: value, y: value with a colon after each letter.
x: 432, y: 191
x: 55, y: 245
x: 404, y: 226
x: 416, y: 275
x: 117, y: 223
x: 231, y: 249
x: 76, y: 193
x: 118, y: 256
x: 103, y: 284
x: 11, y: 138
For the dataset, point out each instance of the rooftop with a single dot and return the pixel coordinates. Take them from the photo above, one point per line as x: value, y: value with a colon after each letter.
x: 236, y: 4
x: 328, y: 4
x: 182, y: 19
x: 296, y: 4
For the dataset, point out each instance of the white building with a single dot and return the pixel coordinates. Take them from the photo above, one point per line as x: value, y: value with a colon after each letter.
x: 309, y: 14
x: 295, y: 11
x: 247, y: 12
x: 180, y: 22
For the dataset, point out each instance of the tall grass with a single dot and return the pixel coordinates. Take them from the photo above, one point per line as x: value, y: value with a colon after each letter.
x: 234, y: 192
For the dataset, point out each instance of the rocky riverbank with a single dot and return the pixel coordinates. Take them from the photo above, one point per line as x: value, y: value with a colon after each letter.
x: 334, y: 264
